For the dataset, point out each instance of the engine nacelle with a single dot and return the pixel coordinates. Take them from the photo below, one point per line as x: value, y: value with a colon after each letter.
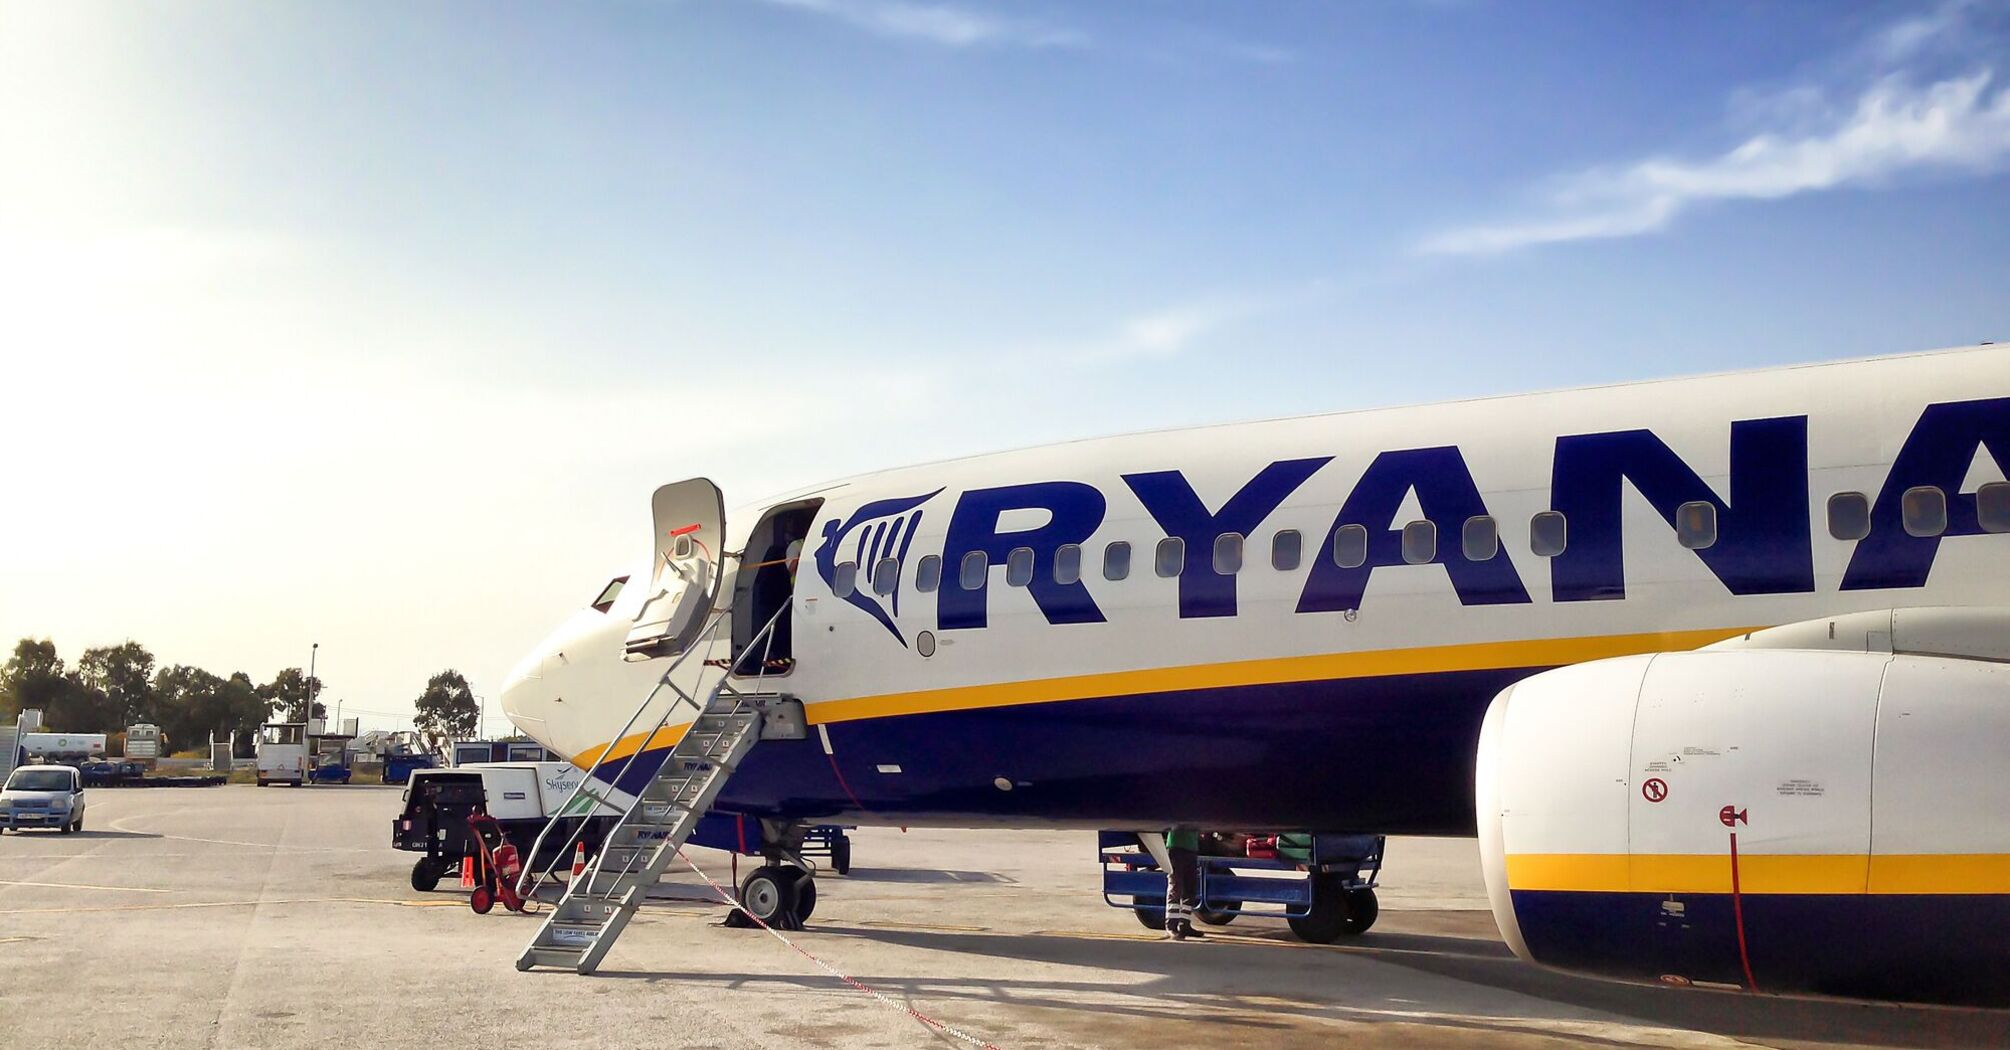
x: 1778, y: 820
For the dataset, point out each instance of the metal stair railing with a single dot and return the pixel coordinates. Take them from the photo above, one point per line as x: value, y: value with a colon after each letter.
x: 597, y: 906
x: 528, y: 881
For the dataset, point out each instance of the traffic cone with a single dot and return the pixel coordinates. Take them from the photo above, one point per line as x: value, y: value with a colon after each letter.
x: 579, y: 861
x: 467, y: 873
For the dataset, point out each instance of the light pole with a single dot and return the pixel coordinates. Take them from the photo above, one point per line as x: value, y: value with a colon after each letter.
x: 307, y: 713
x: 482, y: 715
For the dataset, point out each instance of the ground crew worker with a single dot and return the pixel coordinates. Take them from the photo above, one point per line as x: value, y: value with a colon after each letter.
x: 1182, y: 882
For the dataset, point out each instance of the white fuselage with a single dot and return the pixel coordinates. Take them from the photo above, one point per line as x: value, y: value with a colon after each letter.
x: 1198, y: 689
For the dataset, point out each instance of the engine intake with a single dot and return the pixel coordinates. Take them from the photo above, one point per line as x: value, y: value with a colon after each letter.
x: 1780, y: 820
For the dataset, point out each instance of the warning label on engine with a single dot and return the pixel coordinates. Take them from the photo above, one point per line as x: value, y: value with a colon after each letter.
x: 1801, y: 786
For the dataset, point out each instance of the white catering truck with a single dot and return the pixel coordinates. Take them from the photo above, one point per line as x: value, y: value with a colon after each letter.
x: 521, y: 796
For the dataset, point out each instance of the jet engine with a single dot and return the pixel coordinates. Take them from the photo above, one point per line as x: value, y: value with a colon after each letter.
x: 1821, y: 808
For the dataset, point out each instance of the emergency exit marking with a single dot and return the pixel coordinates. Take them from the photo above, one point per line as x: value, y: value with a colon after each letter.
x: 1654, y: 790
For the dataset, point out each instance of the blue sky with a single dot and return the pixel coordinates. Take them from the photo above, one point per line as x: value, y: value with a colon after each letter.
x: 375, y: 326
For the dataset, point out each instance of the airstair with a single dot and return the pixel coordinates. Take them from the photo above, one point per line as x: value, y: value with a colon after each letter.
x: 727, y: 720
x: 10, y: 749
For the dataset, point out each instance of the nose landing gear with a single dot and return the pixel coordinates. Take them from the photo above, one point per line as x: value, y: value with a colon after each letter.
x: 781, y: 896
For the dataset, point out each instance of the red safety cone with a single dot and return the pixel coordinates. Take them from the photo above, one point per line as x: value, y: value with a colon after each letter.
x: 579, y: 861
x: 467, y: 873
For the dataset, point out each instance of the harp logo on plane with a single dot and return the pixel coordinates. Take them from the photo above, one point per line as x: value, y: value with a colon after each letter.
x: 874, y: 540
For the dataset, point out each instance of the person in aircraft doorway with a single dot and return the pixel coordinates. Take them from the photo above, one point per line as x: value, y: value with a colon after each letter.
x: 1182, y: 883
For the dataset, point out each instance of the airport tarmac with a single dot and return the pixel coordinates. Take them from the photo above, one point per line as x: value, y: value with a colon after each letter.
x: 240, y: 917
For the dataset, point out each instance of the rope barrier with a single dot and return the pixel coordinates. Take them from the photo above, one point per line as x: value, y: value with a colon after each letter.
x: 733, y: 902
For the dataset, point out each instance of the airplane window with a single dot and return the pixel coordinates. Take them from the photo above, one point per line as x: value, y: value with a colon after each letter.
x: 1696, y: 524
x: 1117, y: 560
x: 1924, y: 511
x: 886, y: 576
x: 1067, y: 563
x: 1548, y: 534
x: 1019, y: 567
x: 1350, y: 546
x: 609, y: 593
x: 1420, y: 542
x: 928, y: 573
x: 847, y: 579
x: 1849, y: 515
x: 1285, y: 550
x: 975, y: 566
x: 1481, y: 538
x: 1992, y: 506
x: 1228, y: 553
x: 1170, y: 557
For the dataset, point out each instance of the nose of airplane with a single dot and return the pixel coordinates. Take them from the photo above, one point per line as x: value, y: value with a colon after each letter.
x: 555, y: 692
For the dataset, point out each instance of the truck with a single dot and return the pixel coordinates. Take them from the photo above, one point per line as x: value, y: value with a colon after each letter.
x: 145, y: 743
x: 63, y: 747
x: 303, y: 752
x: 490, y: 752
x: 522, y: 796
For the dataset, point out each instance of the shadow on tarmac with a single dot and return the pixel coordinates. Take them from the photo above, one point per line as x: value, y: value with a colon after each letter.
x: 917, y: 875
x: 87, y: 833
x: 1254, y: 988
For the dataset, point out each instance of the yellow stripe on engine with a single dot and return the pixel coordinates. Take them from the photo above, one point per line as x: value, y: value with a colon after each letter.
x: 1941, y: 873
x: 1763, y: 873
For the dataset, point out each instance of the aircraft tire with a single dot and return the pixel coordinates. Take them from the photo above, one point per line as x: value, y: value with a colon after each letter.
x: 806, y: 894
x: 769, y: 894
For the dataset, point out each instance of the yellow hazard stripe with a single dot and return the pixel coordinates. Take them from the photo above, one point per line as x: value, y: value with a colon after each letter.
x: 1762, y: 873
x: 1437, y: 659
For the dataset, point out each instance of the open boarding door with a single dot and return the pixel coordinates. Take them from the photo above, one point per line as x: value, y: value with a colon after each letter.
x: 689, y: 518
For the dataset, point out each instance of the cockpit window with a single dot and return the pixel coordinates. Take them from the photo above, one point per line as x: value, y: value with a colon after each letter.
x: 609, y: 593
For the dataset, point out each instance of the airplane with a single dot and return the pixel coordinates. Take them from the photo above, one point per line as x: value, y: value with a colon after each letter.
x: 1715, y: 669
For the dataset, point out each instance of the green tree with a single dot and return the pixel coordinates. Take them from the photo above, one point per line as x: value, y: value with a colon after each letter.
x: 196, y: 704
x: 190, y: 701
x: 286, y: 695
x: 448, y: 706
x: 247, y: 711
x: 120, y: 677
x: 34, y: 678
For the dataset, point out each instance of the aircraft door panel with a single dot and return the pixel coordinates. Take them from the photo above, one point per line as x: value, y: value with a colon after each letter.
x: 689, y: 526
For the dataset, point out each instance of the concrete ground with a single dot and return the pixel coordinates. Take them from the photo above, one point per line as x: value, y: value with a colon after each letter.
x: 239, y: 917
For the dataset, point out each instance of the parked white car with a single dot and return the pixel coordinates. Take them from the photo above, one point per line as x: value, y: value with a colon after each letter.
x: 43, y: 797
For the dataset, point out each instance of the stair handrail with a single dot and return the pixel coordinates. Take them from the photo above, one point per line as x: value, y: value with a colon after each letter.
x: 526, y: 882
x: 739, y: 704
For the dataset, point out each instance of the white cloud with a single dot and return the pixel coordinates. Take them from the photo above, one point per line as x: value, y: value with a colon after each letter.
x: 943, y: 24
x: 1896, y: 127
x: 1908, y: 37
x: 1173, y: 329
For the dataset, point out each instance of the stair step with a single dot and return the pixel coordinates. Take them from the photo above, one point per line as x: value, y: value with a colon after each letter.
x: 578, y: 932
x: 575, y: 935
x: 538, y: 955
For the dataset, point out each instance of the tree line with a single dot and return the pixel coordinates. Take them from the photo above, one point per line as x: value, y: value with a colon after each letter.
x: 115, y: 686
